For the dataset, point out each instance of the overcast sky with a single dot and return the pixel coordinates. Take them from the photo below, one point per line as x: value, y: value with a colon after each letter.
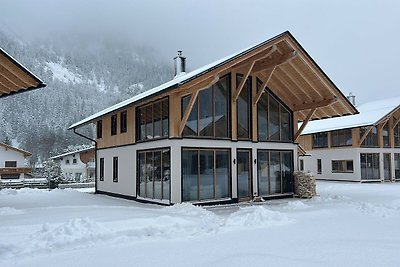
x: 354, y: 42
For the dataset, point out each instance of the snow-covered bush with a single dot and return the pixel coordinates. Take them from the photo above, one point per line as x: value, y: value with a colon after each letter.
x: 52, y: 171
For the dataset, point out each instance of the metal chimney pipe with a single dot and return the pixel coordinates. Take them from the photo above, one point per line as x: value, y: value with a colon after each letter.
x: 180, y: 64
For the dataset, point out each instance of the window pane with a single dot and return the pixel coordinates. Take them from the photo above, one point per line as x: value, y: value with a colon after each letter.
x: 376, y: 173
x: 222, y: 174
x: 157, y: 119
x: 275, y: 172
x: 142, y: 174
x: 165, y: 115
x: 157, y: 175
x: 149, y: 174
x: 273, y: 124
x: 206, y: 174
x: 386, y: 166
x: 166, y: 176
x: 287, y: 172
x: 149, y: 122
x: 189, y: 175
x: 221, y: 107
x: 262, y: 117
x: 206, y: 113
x: 286, y: 132
x: 385, y: 133
x: 243, y: 109
x: 142, y: 118
x: 191, y: 124
x: 263, y: 173
x: 363, y: 160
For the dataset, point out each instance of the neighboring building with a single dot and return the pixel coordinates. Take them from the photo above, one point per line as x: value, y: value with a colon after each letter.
x: 13, y: 168
x: 364, y: 147
x: 77, y: 165
x: 14, y: 77
x: 222, y: 133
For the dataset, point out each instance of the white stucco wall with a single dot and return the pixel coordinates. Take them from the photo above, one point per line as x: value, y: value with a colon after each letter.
x: 79, y: 167
x: 12, y: 155
x: 327, y: 155
x: 126, y: 184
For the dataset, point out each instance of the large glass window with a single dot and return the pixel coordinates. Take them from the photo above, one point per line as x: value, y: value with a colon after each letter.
x: 243, y: 107
x: 274, y: 119
x: 369, y: 166
x: 386, y: 135
x: 342, y: 166
x: 387, y: 170
x: 320, y: 140
x: 101, y: 169
x: 372, y: 138
x: 397, y: 135
x: 154, y: 174
x: 397, y: 165
x: 210, y: 113
x: 123, y: 122
x: 153, y: 120
x: 275, y: 172
x: 341, y: 138
x: 205, y: 174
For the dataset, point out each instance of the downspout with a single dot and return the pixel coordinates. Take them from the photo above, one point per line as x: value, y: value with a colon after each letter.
x: 95, y: 156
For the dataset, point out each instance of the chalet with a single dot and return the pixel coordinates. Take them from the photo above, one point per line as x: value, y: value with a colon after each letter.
x: 77, y: 165
x: 13, y: 167
x: 362, y: 148
x: 15, y: 78
x: 225, y: 132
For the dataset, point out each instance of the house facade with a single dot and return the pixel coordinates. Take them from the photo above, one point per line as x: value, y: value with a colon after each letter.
x: 361, y: 148
x: 78, y: 166
x: 13, y: 168
x: 222, y: 133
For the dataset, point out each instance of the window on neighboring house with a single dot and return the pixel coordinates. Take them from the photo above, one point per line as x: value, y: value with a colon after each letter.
x: 101, y: 169
x: 319, y: 166
x: 78, y: 176
x: 386, y: 135
x: 114, y: 124
x: 397, y: 135
x: 115, y: 169
x: 10, y: 164
x: 341, y: 138
x: 153, y: 120
x: 99, y: 129
x: 342, y: 166
x: 370, y: 166
x: 274, y: 119
x: 320, y: 140
x: 372, y: 137
x: 209, y: 116
x: 302, y: 165
x: 74, y: 161
x: 67, y: 161
x: 123, y: 123
x: 243, y: 109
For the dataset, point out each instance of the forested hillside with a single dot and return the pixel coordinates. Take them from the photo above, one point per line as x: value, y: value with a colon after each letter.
x: 83, y: 76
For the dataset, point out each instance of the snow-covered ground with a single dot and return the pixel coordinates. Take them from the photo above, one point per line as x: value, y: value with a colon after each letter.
x: 347, y: 225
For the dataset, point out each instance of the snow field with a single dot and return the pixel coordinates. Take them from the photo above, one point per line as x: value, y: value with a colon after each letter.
x: 347, y: 224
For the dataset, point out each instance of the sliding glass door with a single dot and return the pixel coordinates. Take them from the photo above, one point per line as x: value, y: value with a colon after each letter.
x: 244, y: 174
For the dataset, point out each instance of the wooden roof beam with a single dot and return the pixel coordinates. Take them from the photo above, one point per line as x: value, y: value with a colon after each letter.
x: 396, y: 121
x: 263, y: 86
x: 316, y: 104
x: 243, y: 82
x: 304, y: 124
x: 276, y: 61
x: 256, y: 57
x: 11, y: 70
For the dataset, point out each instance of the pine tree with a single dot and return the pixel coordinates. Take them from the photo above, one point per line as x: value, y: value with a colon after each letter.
x: 52, y: 172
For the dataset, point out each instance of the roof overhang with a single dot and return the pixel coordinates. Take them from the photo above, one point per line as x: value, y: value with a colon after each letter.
x: 25, y: 153
x: 15, y: 78
x: 287, y: 69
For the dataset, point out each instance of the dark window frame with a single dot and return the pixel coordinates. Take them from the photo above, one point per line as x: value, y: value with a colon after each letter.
x: 319, y: 166
x: 101, y: 169
x: 344, y: 163
x: 320, y: 140
x: 372, y: 139
x: 339, y: 138
x: 114, y: 124
x: 123, y: 121
x: 375, y: 157
x: 249, y: 107
x: 115, y: 169
x: 99, y: 129
x: 7, y: 163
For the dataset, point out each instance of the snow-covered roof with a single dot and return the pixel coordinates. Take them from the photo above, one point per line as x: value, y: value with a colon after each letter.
x: 26, y: 153
x: 73, y: 152
x: 180, y: 80
x: 370, y: 114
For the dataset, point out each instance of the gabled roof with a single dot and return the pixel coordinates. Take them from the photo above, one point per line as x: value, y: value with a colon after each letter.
x: 371, y: 113
x: 14, y: 77
x: 73, y: 152
x: 26, y: 153
x: 308, y: 68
